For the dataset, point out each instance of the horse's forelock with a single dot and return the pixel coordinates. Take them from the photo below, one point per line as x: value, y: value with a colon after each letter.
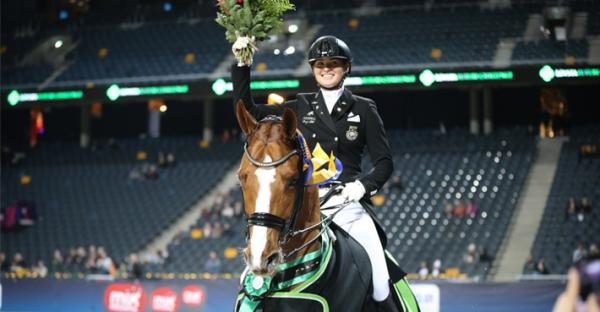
x: 272, y: 132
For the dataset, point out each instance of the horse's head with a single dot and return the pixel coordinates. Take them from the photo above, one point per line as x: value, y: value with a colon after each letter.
x: 272, y: 183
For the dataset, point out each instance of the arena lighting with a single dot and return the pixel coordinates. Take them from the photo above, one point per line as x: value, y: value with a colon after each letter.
x: 293, y: 28
x: 114, y: 91
x: 275, y: 98
x: 547, y: 73
x: 220, y: 86
x: 380, y: 80
x: 290, y: 50
x: 14, y: 97
x: 427, y: 77
x: 63, y: 15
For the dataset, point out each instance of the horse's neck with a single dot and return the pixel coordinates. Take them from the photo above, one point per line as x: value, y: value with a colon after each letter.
x: 309, y: 215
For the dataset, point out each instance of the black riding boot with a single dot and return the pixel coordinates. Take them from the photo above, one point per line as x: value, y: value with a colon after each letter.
x: 388, y: 305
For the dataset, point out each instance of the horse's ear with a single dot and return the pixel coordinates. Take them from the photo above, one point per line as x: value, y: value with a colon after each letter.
x: 289, y: 122
x: 246, y: 121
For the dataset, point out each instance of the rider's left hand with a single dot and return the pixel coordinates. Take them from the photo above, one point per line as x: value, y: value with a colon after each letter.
x: 353, y: 191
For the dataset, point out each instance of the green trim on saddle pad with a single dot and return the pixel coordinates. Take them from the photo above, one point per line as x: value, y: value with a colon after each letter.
x: 405, y: 296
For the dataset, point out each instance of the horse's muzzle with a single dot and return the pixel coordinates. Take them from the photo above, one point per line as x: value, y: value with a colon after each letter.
x: 267, y: 265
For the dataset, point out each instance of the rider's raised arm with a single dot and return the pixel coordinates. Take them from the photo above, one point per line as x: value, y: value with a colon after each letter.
x: 240, y: 76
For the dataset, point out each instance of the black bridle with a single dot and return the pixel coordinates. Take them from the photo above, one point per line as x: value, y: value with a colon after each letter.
x: 285, y: 227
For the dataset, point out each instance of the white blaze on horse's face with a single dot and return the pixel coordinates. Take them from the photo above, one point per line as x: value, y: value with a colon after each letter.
x: 258, y: 238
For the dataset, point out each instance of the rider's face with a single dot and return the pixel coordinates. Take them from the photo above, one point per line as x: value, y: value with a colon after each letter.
x: 329, y: 72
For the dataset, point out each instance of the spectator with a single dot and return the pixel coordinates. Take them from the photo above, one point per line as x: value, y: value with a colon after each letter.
x: 177, y: 238
x: 217, y: 230
x: 9, y: 217
x: 213, y: 263
x: 163, y: 255
x: 571, y: 210
x: 70, y: 258
x: 58, y: 263
x: 469, y: 257
x: 579, y: 212
x: 151, y: 172
x: 459, y: 209
x: 78, y: 264
x: 26, y: 213
x: 207, y: 229
x: 40, y: 269
x: 219, y: 200
x: 396, y: 183
x: 238, y: 209
x: 227, y: 211
x: 18, y: 263
x: 74, y: 260
x: 135, y: 270
x: 579, y: 253
x: 586, y: 205
x: 4, y: 264
x: 593, y: 250
x: 530, y: 265
x: 155, y: 258
x: 484, y: 256
x: 541, y: 267
x: 436, y: 268
x: 448, y: 208
x: 226, y: 136
x: 92, y: 257
x: 423, y: 270
x: 104, y: 263
x: 135, y: 174
x: 171, y: 162
x: 227, y: 229
x: 161, y: 159
x: 442, y: 128
x: 471, y: 209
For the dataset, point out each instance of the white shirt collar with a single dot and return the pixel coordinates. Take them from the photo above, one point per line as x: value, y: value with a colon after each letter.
x: 331, y: 97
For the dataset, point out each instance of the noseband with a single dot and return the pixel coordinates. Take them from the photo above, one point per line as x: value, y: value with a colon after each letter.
x: 285, y: 227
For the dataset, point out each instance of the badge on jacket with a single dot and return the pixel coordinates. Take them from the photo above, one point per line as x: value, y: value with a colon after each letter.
x: 352, y: 133
x: 309, y: 118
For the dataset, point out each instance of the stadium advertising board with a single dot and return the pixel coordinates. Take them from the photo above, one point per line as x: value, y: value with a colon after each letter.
x: 387, y: 81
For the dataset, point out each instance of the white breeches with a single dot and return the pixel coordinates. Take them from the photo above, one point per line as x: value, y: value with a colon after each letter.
x: 358, y: 223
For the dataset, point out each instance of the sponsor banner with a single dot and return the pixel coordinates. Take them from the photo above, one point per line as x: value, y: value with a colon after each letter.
x: 164, y: 299
x: 124, y: 297
x: 219, y: 295
x: 428, y: 296
x: 192, y: 295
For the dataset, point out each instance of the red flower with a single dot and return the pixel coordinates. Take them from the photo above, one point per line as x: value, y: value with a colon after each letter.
x: 222, y: 5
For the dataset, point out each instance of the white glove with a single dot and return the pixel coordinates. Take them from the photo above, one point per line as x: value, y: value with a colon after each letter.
x: 353, y: 191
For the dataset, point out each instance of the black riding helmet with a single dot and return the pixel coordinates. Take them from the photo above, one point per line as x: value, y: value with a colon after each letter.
x: 329, y: 47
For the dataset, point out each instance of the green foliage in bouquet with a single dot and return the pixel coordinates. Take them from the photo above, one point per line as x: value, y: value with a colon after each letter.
x: 252, y: 18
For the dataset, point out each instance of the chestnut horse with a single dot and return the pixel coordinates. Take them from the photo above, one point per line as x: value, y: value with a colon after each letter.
x: 296, y: 260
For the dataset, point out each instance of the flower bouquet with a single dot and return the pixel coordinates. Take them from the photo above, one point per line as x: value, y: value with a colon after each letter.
x: 249, y: 21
